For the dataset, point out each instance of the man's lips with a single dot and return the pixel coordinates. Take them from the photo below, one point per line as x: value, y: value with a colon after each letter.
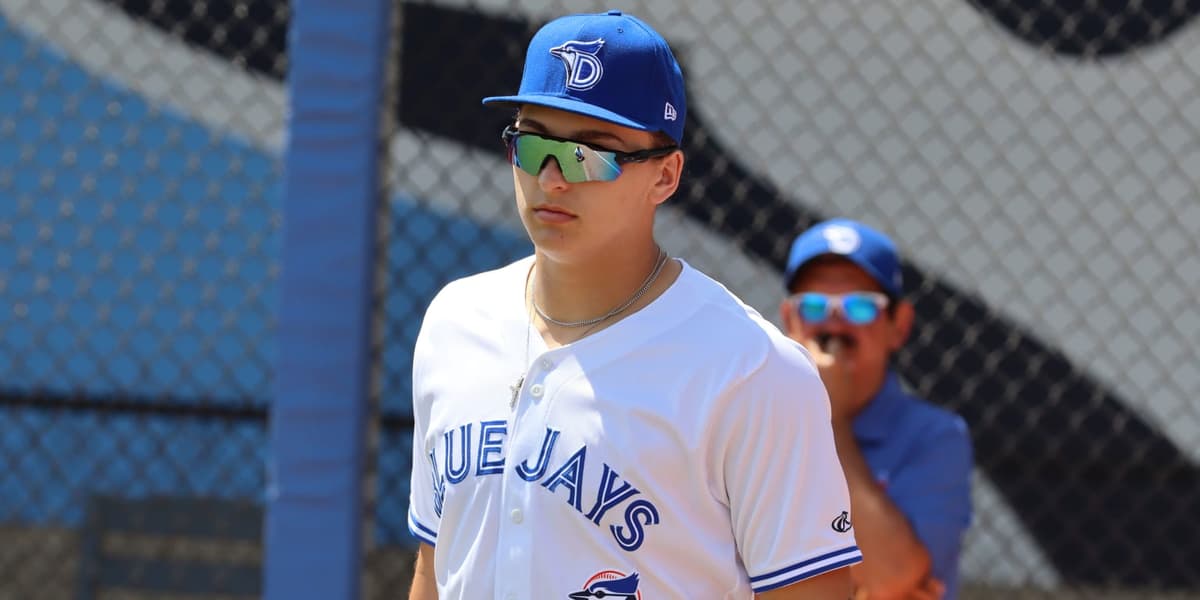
x: 553, y: 214
x: 553, y: 208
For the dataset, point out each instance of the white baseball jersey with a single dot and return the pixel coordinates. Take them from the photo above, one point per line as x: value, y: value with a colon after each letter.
x: 683, y: 452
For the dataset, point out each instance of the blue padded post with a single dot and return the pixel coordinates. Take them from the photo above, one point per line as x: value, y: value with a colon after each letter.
x: 337, y: 56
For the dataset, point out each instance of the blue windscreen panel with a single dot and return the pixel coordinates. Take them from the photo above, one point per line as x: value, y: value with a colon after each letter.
x: 124, y: 330
x: 146, y: 211
x: 149, y: 369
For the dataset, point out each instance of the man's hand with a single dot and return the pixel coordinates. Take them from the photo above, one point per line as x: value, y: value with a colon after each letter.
x: 837, y: 373
x: 928, y: 589
x: 931, y: 589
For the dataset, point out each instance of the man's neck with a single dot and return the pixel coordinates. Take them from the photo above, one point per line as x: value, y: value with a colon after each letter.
x: 590, y: 288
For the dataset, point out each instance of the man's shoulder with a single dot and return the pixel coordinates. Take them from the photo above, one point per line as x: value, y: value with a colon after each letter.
x: 937, y: 420
x: 479, y: 293
x: 725, y: 327
x: 936, y: 430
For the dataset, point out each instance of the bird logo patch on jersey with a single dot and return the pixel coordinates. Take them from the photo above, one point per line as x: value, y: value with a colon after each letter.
x: 584, y: 68
x: 609, y: 584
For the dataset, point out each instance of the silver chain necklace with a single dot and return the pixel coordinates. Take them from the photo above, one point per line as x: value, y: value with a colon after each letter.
x: 520, y: 382
x: 658, y: 267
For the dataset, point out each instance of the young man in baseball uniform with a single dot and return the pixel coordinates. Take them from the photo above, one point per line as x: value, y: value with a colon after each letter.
x: 600, y: 420
x: 908, y: 463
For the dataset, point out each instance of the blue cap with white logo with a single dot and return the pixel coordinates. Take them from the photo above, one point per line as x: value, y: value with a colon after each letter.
x: 871, y: 250
x: 610, y: 66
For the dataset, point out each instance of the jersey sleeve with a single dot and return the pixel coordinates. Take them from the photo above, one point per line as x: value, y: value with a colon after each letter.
x: 787, y: 494
x: 426, y: 487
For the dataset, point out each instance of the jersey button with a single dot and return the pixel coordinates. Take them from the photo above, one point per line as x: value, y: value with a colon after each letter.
x: 517, y: 516
x: 536, y: 390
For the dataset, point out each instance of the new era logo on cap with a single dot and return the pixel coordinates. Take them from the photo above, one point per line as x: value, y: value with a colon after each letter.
x: 669, y: 113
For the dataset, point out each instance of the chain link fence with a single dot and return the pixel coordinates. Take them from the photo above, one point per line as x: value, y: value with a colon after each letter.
x: 1036, y: 162
x: 139, y: 204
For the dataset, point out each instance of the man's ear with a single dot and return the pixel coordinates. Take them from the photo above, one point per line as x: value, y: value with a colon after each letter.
x: 902, y: 323
x: 788, y: 318
x: 669, y: 173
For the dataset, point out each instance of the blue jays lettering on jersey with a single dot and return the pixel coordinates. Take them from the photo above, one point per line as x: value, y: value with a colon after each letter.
x: 487, y: 449
x: 921, y: 454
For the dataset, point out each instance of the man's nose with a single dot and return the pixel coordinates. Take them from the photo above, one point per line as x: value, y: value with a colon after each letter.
x: 550, y: 177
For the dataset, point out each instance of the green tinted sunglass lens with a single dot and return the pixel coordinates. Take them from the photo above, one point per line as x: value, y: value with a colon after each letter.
x: 595, y: 165
x: 530, y: 152
x: 577, y: 162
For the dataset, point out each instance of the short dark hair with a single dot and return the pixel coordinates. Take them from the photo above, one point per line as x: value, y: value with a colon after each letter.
x: 662, y: 140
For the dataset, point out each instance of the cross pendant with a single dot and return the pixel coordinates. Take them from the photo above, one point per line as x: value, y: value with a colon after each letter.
x: 516, y: 391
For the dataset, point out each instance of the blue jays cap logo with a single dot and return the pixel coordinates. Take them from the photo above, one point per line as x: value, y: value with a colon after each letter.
x: 584, y: 69
x: 842, y: 239
x: 609, y: 584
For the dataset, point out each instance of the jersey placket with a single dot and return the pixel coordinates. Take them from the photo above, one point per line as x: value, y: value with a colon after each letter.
x: 514, y: 568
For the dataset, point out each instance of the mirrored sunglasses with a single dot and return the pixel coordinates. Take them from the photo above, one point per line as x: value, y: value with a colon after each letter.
x: 858, y: 308
x: 577, y: 161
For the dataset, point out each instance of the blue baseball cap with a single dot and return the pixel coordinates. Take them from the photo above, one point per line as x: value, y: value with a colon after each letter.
x: 610, y: 66
x: 871, y: 250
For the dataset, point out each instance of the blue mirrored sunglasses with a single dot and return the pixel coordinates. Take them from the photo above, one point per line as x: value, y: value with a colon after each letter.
x: 858, y: 308
x: 577, y: 161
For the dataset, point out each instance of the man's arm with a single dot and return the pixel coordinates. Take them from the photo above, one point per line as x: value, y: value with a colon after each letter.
x: 895, y: 563
x: 779, y: 469
x: 833, y: 585
x: 424, y: 583
x: 934, y: 492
